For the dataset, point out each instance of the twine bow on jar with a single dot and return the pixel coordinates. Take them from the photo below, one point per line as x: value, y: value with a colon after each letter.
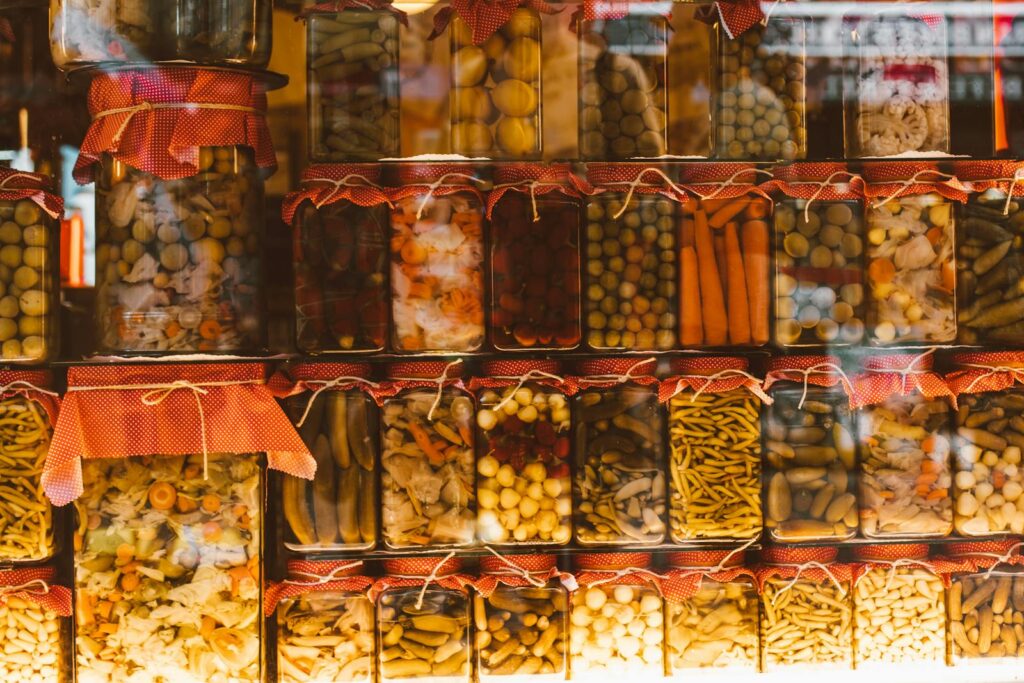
x: 924, y: 175
x: 339, y: 572
x: 344, y: 182
x: 440, y: 381
x: 799, y: 570
x: 722, y: 186
x: 433, y: 186
x: 822, y: 185
x: 636, y: 182
x: 327, y: 385
x: 616, y: 379
x: 32, y: 587
x: 753, y: 384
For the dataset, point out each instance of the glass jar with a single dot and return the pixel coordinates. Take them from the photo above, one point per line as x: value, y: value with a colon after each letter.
x: 713, y: 629
x: 617, y: 625
x: 899, y: 611
x: 496, y: 96
x: 163, y: 547
x: 352, y: 76
x: 38, y: 647
x: 819, y: 277
x: 986, y: 608
x: 1009, y: 64
x: 439, y: 619
x: 715, y: 474
x: 912, y: 301
x: 535, y: 262
x: 437, y: 264
x: 523, y: 429
x: 179, y: 265
x: 521, y: 628
x: 790, y: 640
x: 340, y: 252
x: 898, y: 99
x: 623, y: 77
x: 724, y: 272
x: 631, y: 278
x: 427, y: 460
x: 28, y: 533
x: 759, y: 107
x: 810, y: 457
x: 322, y: 633
x: 337, y: 510
x: 619, y: 483
x: 213, y: 32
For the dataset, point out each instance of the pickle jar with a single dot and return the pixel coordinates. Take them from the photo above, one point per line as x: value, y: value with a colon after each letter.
x: 518, y: 600
x: 28, y: 410
x: 715, y: 473
x: 899, y: 604
x: 437, y: 261
x: 911, y: 267
x: 496, y: 86
x: 711, y: 612
x: 524, y: 492
x: 210, y: 32
x: 819, y: 251
x: 759, y: 103
x: 630, y: 281
x: 427, y: 461
x: 535, y: 216
x: 904, y: 441
x: 340, y: 227
x: 988, y: 487
x: 30, y: 309
x: 352, y: 76
x: 322, y: 624
x: 796, y: 582
x: 987, y: 255
x: 623, y: 85
x: 425, y: 597
x: 179, y: 266
x: 338, y: 421
x: 986, y: 604
x: 38, y: 615
x: 619, y: 480
x: 618, y: 619
x: 897, y: 99
x: 809, y: 430
x: 724, y: 257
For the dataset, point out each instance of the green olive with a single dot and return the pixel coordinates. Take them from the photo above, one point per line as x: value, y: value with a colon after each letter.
x: 795, y: 245
x: 27, y: 212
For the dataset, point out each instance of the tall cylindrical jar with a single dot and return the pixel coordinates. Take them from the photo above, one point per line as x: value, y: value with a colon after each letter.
x: 810, y: 451
x: 819, y: 248
x: 623, y: 81
x: 426, y: 597
x: 321, y: 624
x: 352, y: 52
x: 988, y: 487
x: 427, y: 460
x: 759, y: 103
x: 496, y: 94
x: 723, y: 257
x: 618, y: 618
x: 714, y: 474
x: 333, y: 410
x: 910, y: 259
x: 521, y: 613
x: 711, y: 615
x: 631, y: 277
x: 38, y: 611
x: 535, y: 213
x: 179, y: 236
x: 524, y: 428
x: 619, y: 480
x: 340, y: 223
x: 437, y: 261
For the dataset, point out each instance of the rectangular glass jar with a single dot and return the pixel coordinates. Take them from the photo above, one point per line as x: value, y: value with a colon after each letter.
x: 439, y: 616
x: 39, y: 647
x: 29, y: 532
x: 353, y: 85
x: 179, y: 263
x: 788, y: 640
x: 977, y: 636
x: 521, y: 633
x: 623, y: 81
x: 714, y: 632
x: 168, y: 568
x: 628, y: 642
x: 338, y: 626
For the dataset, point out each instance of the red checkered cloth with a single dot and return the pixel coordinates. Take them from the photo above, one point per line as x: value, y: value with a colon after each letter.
x: 507, y: 373
x: 710, y: 375
x: 364, y: 5
x: 437, y: 180
x: 816, y: 564
x: 616, y: 569
x: 414, y: 572
x: 995, y: 371
x: 723, y: 180
x: 821, y: 371
x: 632, y: 179
x: 35, y: 585
x: 692, y: 567
x: 536, y: 180
x: 892, y: 179
x: 157, y: 119
x: 308, y: 576
x: 337, y: 376
x: 592, y: 10
x: 817, y: 181
x: 485, y: 17
x: 517, y: 571
x: 328, y: 184
x: 15, y: 185
x: 898, y: 375
x: 610, y: 372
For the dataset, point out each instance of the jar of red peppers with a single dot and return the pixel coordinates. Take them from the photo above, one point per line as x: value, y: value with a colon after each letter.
x: 524, y: 429
x: 339, y: 250
x: 437, y: 261
x: 535, y: 213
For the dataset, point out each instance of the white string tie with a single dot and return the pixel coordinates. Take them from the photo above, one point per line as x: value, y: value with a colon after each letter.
x: 730, y: 182
x: 33, y: 587
x: 908, y: 370
x: 1018, y: 373
x: 618, y: 379
x: 522, y: 380
x: 638, y: 181
x: 820, y: 367
x: 516, y: 570
x: 431, y: 187
x: 616, y: 574
x: 440, y: 381
x: 532, y: 185
x: 756, y: 389
x: 22, y: 384
x: 318, y: 579
x: 813, y: 564
x: 999, y: 559
x: 904, y: 184
x: 431, y: 578
x: 824, y: 185
x: 344, y: 182
x: 326, y: 384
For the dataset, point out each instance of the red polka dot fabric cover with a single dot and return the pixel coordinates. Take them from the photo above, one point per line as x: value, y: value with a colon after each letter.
x: 725, y: 180
x: 821, y: 371
x: 898, y: 375
x: 998, y: 370
x: 610, y: 372
x: 887, y: 556
x: 302, y: 580
x: 903, y: 179
x: 33, y: 385
x: 413, y: 572
x: 691, y: 568
x: 497, y: 571
x: 986, y: 554
x: 328, y: 184
x: 306, y: 377
x: 15, y: 185
x: 787, y: 563
x: 693, y: 375
x: 819, y: 181
x: 484, y: 17
x: 536, y: 180
x: 35, y: 585
x: 635, y: 178
x: 616, y: 569
x: 1001, y: 174
x: 508, y: 373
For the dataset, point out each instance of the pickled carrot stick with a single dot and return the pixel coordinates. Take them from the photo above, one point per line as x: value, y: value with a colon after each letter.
x: 719, y: 237
x: 691, y: 331
x: 739, y: 311
x: 754, y: 237
x: 728, y: 212
x: 686, y: 231
x: 712, y: 300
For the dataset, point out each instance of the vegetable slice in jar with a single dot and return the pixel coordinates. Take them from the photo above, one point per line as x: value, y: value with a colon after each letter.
x: 323, y: 637
x: 716, y: 629
x: 424, y: 634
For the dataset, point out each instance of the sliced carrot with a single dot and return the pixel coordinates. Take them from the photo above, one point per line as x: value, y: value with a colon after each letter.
x: 422, y: 440
x: 998, y: 479
x: 948, y: 276
x: 125, y: 552
x: 881, y: 270
x: 172, y: 329
x: 162, y: 495
x: 211, y: 503
x: 103, y: 608
x: 927, y: 478
x: 184, y: 504
x: 937, y: 494
x: 209, y: 330
x: 129, y: 582
x: 929, y: 465
x: 935, y: 235
x: 928, y: 445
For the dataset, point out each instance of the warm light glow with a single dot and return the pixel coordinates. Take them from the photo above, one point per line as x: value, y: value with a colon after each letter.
x: 414, y: 7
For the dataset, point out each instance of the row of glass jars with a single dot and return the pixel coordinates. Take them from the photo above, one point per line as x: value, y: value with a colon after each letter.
x: 897, y: 97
